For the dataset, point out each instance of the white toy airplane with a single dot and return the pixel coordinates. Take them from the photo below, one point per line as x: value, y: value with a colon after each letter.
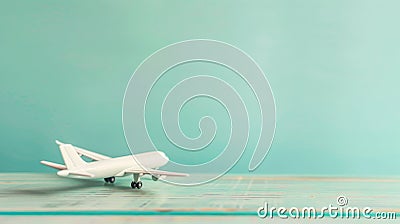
x: 109, y: 168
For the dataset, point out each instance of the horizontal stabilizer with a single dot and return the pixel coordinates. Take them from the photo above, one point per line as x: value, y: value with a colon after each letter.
x: 65, y: 173
x: 53, y: 165
x: 80, y: 173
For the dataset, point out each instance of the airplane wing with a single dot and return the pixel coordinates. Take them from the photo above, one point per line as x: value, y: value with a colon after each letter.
x: 155, y: 172
x: 87, y: 153
x: 91, y: 155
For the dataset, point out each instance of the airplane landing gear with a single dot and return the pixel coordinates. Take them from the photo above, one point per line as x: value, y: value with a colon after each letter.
x: 136, y: 183
x: 109, y: 179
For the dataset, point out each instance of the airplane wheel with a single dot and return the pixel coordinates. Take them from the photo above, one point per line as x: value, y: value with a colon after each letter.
x: 111, y: 179
x: 106, y: 180
x: 139, y: 184
x: 133, y: 185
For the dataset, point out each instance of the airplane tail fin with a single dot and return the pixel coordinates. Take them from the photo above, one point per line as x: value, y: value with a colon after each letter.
x: 70, y: 156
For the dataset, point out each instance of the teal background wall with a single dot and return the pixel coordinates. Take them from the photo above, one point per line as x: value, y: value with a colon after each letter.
x: 333, y: 67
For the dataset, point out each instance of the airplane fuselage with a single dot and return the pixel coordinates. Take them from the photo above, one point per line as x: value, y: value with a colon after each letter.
x: 102, y: 166
x: 116, y: 166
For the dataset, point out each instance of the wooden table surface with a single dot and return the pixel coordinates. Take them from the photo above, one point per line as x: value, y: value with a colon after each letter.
x: 233, y: 198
